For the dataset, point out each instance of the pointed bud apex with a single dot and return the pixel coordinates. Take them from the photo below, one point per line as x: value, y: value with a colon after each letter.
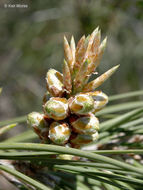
x: 73, y: 49
x: 100, y: 80
x: 86, y: 41
x: 97, y: 28
x: 98, y: 52
x: 96, y: 42
x: 80, y: 43
x: 59, y: 133
x: 102, y: 46
x: 89, y: 50
x: 56, y: 108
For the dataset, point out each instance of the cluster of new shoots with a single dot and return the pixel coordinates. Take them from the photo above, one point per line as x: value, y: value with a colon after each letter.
x: 68, y: 117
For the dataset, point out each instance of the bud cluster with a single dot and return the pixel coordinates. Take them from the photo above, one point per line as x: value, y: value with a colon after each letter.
x: 68, y: 115
x: 68, y: 120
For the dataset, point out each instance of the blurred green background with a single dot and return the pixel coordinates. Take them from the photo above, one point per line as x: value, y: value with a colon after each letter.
x: 31, y: 42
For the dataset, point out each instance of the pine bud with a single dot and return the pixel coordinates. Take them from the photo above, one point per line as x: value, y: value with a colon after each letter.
x: 100, y: 99
x: 36, y: 119
x: 81, y: 139
x: 85, y: 124
x: 56, y: 108
x: 100, y: 80
x: 81, y: 104
x: 65, y: 156
x: 59, y: 133
x: 54, y: 83
x: 37, y: 122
